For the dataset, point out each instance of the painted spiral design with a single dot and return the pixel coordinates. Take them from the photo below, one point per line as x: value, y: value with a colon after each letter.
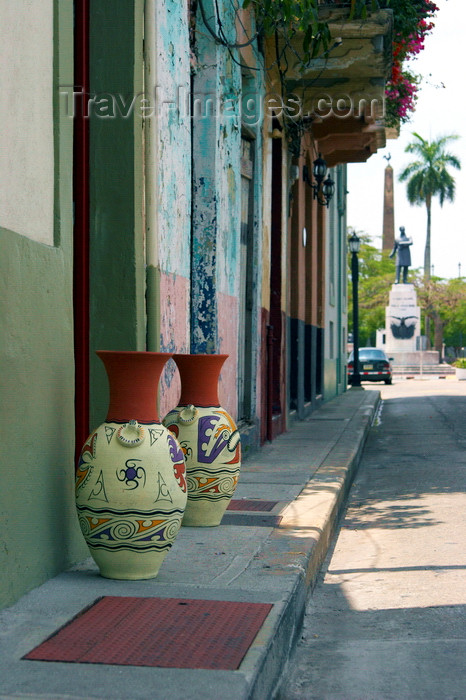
x: 192, y: 484
x: 227, y: 485
x: 84, y: 525
x: 123, y: 530
x: 172, y: 529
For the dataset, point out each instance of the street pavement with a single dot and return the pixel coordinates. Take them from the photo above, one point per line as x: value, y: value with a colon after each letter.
x: 387, y: 619
x: 270, y: 557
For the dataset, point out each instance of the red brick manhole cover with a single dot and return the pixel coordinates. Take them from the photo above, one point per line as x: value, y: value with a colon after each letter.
x: 250, y: 504
x: 165, y: 632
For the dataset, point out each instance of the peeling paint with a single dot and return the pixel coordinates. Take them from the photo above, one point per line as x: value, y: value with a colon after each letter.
x: 170, y: 150
x: 216, y: 264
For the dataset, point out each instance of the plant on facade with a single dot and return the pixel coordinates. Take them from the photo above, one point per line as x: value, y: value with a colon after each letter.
x: 283, y: 20
x: 401, y: 95
x: 411, y: 24
x: 427, y: 176
x: 286, y: 18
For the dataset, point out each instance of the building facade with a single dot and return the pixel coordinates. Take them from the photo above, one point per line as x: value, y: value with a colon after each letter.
x: 157, y: 198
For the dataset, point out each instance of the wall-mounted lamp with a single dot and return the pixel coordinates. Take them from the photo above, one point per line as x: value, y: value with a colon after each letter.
x: 323, y: 188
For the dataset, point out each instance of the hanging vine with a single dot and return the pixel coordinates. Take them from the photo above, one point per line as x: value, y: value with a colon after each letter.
x: 287, y: 18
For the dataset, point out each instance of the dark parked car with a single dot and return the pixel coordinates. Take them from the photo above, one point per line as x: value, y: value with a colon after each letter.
x: 374, y: 366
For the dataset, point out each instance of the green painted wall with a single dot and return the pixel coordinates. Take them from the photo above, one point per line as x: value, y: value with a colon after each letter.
x: 336, y: 280
x: 117, y: 287
x: 330, y: 379
x: 40, y: 534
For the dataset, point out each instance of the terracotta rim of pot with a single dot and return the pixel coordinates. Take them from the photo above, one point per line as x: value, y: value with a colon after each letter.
x: 199, y: 378
x: 133, y: 377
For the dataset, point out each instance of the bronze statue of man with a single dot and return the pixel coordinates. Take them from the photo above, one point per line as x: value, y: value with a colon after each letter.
x: 403, y: 255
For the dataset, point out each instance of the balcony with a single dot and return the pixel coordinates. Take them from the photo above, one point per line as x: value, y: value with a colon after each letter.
x: 343, y: 92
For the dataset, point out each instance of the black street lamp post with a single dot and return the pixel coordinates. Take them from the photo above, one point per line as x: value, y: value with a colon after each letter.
x: 354, y: 245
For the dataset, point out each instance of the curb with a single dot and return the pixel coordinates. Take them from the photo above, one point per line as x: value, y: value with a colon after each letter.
x: 325, y: 497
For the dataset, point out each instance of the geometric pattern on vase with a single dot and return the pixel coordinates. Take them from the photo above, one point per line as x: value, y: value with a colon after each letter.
x: 135, y: 530
x: 131, y: 498
x: 209, y: 439
x: 212, y: 452
x: 131, y: 492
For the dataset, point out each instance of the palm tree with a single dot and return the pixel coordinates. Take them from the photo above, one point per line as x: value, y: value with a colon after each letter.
x: 428, y: 177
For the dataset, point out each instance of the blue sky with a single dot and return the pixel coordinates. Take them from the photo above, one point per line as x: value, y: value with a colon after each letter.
x: 441, y: 109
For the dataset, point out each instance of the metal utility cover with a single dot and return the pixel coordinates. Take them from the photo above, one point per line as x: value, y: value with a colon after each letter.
x: 252, y: 504
x: 164, y: 632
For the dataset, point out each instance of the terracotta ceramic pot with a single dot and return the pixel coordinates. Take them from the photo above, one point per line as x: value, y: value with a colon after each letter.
x: 130, y: 481
x: 208, y: 437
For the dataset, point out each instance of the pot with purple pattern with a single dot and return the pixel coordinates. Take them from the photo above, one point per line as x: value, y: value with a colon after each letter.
x: 208, y: 437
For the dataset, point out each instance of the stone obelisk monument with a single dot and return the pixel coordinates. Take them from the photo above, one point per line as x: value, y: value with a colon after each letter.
x: 388, y: 235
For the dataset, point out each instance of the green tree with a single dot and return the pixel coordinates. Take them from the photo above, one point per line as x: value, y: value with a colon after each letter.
x: 454, y: 334
x: 375, y: 281
x: 427, y: 177
x: 445, y: 302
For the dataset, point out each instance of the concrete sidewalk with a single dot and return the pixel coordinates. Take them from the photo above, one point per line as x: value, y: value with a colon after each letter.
x: 255, y: 557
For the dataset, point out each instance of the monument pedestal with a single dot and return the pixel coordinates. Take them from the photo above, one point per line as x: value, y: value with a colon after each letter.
x: 403, y: 329
x: 402, y: 320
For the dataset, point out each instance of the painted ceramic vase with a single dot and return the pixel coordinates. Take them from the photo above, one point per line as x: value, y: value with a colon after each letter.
x: 208, y: 437
x: 131, y: 480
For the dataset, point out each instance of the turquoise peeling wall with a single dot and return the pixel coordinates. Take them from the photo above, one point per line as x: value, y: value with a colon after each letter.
x: 217, y: 267
x: 218, y: 83
x: 168, y: 128
x: 216, y: 181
